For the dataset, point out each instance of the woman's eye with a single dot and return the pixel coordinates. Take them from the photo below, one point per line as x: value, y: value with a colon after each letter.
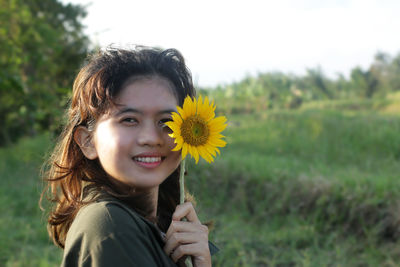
x: 129, y: 121
x: 164, y: 126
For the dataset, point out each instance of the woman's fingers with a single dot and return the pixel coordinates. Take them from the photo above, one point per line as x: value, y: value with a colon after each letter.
x: 179, y: 226
x: 187, y: 238
x: 185, y: 210
x: 184, y: 233
x: 178, y: 239
x: 194, y: 249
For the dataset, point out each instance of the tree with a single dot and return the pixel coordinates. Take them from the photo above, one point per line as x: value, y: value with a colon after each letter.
x: 42, y: 45
x: 317, y: 80
x: 394, y: 74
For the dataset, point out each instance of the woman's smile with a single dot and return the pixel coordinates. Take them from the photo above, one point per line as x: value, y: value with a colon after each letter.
x: 148, y: 160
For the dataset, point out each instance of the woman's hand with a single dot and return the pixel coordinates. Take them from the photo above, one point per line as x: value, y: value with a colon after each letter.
x: 187, y: 238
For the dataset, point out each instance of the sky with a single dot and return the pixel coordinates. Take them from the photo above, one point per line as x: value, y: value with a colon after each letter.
x: 224, y: 41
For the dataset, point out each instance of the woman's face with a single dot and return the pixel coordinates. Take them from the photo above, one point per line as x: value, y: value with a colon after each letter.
x: 131, y: 141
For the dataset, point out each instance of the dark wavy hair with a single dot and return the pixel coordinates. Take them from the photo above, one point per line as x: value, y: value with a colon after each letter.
x: 69, y: 175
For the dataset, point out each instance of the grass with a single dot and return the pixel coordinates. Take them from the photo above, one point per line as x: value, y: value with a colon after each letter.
x: 311, y: 187
x: 315, y: 187
x: 23, y: 237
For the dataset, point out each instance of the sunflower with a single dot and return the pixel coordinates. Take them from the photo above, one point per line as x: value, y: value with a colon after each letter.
x: 196, y: 130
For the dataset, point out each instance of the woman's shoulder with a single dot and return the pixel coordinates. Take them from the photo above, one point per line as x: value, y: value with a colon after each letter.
x: 102, y: 218
x: 110, y: 232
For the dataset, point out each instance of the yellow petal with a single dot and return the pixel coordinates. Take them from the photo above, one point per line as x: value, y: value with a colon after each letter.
x: 210, y: 150
x: 194, y: 107
x: 205, y: 111
x: 186, y: 102
x: 212, y: 105
x: 184, y: 150
x: 190, y: 150
x: 217, y: 142
x: 216, y: 130
x: 216, y: 125
x: 181, y: 112
x: 195, y: 154
x: 204, y: 154
x: 214, y: 149
x: 177, y: 147
x: 175, y: 128
x: 170, y: 123
x: 199, y: 105
x: 189, y: 107
x: 216, y: 135
x: 218, y: 121
x: 176, y: 118
x: 210, y: 111
x: 179, y: 139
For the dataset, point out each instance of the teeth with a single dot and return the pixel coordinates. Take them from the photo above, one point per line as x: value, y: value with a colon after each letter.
x: 148, y: 159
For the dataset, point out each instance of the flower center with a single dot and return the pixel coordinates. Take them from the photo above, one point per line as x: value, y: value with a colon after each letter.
x: 195, y: 131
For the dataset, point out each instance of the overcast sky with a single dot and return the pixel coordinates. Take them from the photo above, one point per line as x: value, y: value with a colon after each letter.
x: 225, y: 40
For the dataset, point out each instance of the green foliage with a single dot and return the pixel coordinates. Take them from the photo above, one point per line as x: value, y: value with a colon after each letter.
x: 277, y: 90
x: 23, y: 236
x: 316, y: 186
x: 42, y: 46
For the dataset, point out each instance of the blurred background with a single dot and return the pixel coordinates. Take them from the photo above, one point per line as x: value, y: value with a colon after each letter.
x: 311, y: 89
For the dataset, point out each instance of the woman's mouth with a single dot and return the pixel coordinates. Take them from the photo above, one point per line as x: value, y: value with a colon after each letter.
x: 148, y: 162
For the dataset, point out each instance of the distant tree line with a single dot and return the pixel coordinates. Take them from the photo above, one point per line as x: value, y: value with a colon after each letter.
x: 279, y: 90
x: 42, y: 45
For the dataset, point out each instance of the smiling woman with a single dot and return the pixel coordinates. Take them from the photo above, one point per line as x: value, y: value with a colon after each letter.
x: 114, y: 174
x: 138, y: 149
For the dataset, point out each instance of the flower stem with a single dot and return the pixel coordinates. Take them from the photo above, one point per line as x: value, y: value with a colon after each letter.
x: 188, y: 260
x: 182, y: 182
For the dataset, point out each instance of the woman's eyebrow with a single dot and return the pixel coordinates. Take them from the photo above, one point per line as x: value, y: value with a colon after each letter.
x: 166, y: 111
x: 133, y: 110
x: 127, y: 110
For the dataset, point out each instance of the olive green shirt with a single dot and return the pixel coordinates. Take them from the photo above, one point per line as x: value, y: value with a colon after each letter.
x: 109, y: 233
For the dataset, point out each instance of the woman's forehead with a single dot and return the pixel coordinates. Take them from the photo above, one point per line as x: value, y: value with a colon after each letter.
x: 154, y: 78
x: 145, y: 94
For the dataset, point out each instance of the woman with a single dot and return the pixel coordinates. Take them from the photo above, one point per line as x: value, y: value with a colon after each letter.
x: 113, y: 175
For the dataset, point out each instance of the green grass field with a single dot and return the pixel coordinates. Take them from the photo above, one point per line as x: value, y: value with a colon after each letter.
x: 317, y: 186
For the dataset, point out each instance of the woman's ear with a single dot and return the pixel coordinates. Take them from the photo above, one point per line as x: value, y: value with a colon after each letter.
x: 83, y: 138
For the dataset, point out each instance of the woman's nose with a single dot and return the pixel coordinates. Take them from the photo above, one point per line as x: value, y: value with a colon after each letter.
x: 150, y: 135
